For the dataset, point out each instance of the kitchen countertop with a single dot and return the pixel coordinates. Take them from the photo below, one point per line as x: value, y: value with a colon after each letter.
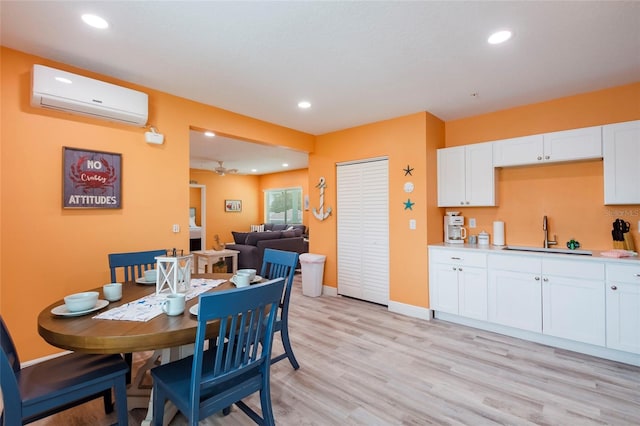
x: 595, y: 256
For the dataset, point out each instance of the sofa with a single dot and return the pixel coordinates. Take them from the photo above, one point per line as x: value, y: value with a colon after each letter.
x: 251, y: 245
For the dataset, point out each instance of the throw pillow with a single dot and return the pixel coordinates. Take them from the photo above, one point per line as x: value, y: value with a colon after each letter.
x: 239, y: 237
x: 289, y: 234
x: 257, y: 228
x: 254, y: 237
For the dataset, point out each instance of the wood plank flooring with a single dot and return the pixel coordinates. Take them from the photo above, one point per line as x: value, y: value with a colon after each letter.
x: 362, y: 365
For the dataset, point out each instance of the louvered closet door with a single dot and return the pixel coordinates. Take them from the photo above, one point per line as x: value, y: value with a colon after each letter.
x: 363, y: 230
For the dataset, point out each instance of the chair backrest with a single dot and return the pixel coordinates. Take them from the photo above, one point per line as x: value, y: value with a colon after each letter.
x: 134, y: 263
x: 9, y: 366
x: 280, y: 264
x: 251, y: 313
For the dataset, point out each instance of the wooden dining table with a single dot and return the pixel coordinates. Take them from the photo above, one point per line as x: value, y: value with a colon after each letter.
x: 168, y: 333
x: 85, y: 334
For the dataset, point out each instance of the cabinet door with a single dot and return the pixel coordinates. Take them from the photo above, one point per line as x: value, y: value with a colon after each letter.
x: 515, y: 299
x: 574, y: 309
x: 472, y: 284
x: 443, y: 285
x: 451, y: 177
x: 623, y: 308
x: 575, y: 144
x: 518, y: 151
x: 480, y: 185
x: 621, y: 149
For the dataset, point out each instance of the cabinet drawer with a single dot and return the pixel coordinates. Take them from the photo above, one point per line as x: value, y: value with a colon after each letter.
x: 507, y: 262
x: 573, y: 269
x: 624, y: 273
x: 459, y: 257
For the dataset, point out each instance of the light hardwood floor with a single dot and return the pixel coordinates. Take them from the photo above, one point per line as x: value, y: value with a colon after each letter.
x: 362, y: 365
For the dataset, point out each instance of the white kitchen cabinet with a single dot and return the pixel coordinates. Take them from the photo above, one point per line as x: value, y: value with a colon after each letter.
x: 514, y: 292
x: 466, y: 176
x: 623, y: 307
x: 573, y: 300
x: 458, y: 283
x: 621, y: 150
x: 567, y: 145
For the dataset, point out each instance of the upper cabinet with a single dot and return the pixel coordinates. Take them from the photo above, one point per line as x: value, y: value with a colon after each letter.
x: 621, y: 148
x: 567, y: 145
x: 466, y: 176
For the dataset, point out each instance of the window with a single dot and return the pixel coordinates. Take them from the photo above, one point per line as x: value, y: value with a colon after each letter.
x: 283, y: 206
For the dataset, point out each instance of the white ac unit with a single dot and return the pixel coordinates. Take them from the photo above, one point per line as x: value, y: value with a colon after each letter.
x: 64, y: 91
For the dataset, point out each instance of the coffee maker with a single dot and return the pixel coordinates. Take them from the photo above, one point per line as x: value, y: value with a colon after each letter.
x: 454, y: 232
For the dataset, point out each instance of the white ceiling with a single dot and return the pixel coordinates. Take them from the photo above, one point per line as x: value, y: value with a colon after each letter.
x: 356, y: 62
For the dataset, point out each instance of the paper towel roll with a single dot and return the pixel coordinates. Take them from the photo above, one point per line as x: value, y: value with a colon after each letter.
x: 498, y: 233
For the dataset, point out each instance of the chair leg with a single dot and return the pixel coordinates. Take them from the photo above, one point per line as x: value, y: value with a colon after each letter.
x: 284, y: 333
x: 265, y: 405
x: 120, y: 389
x: 158, y: 406
x: 226, y: 411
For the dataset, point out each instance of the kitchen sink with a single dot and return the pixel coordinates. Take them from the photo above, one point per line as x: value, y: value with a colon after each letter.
x: 548, y: 250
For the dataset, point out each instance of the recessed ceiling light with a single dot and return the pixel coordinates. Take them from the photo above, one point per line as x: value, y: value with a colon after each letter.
x: 63, y: 80
x: 254, y: 170
x: 95, y: 21
x: 304, y: 104
x: 285, y: 165
x: 209, y: 134
x: 499, y: 37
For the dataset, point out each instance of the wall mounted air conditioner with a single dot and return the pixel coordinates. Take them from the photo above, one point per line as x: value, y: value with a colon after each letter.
x: 64, y: 91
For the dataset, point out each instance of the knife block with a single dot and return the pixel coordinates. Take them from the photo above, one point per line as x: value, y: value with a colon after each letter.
x: 628, y: 242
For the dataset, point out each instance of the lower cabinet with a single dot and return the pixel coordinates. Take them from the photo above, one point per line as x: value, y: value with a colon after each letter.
x: 458, y: 283
x: 515, y: 297
x: 623, y: 308
x: 585, y: 301
x: 573, y: 300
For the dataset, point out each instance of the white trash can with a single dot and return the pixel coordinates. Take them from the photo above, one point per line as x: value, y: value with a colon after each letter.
x: 312, y: 272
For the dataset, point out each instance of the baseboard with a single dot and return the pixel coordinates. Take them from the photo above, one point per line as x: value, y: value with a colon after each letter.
x: 410, y: 310
x: 44, y: 358
x: 329, y: 291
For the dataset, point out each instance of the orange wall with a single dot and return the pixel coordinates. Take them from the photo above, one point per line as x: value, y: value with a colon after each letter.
x: 570, y: 194
x: 48, y: 252
x: 228, y: 187
x: 404, y: 141
x: 292, y: 179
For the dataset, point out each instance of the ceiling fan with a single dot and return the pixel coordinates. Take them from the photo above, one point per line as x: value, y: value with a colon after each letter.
x: 221, y: 170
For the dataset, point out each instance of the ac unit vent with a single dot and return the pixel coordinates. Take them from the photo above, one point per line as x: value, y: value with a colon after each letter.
x: 64, y: 91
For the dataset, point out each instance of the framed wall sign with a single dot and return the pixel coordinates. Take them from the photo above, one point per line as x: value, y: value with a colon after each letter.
x: 232, y: 205
x: 91, y: 179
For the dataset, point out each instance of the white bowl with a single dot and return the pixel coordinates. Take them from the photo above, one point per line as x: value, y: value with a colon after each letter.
x: 81, y: 301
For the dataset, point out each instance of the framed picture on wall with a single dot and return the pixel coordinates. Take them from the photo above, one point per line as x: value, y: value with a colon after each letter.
x: 91, y: 179
x: 232, y: 205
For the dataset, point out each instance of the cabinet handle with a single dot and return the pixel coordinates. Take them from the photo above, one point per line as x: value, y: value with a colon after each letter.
x: 613, y: 287
x: 467, y: 202
x: 456, y: 258
x: 462, y: 203
x: 545, y: 279
x: 546, y: 157
x: 460, y: 269
x: 637, y: 275
x: 537, y: 278
x: 454, y: 268
x: 539, y: 158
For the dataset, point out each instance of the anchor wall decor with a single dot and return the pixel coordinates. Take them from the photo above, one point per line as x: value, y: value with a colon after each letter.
x: 320, y: 214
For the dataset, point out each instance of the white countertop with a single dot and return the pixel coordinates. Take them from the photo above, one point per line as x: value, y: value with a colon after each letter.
x: 595, y: 256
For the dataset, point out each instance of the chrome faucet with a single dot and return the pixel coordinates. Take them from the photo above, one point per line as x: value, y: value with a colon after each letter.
x: 545, y: 228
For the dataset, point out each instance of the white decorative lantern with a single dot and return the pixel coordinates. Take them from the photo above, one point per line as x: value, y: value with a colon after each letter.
x: 174, y: 274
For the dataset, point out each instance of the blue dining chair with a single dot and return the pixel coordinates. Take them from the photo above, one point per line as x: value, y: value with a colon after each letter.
x: 235, y: 365
x: 48, y: 387
x: 133, y: 263
x: 282, y: 264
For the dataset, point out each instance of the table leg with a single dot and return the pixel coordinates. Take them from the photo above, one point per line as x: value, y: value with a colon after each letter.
x: 234, y: 263
x: 170, y: 410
